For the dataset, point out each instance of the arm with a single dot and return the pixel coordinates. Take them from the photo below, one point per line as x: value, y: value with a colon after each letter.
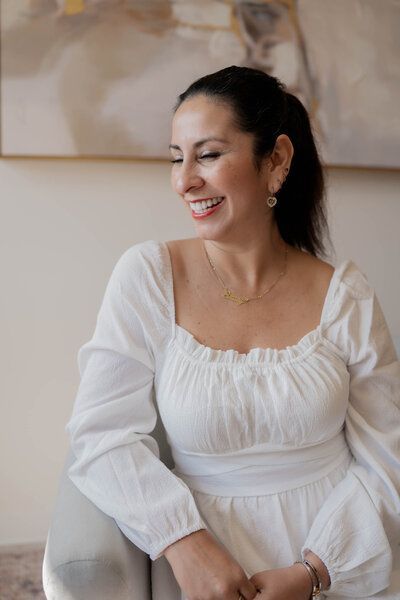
x: 357, y: 526
x: 117, y: 462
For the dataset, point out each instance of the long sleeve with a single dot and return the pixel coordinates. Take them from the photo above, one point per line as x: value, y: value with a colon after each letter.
x: 117, y: 462
x: 357, y: 530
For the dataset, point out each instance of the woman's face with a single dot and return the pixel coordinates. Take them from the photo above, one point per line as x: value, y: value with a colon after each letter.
x: 213, y: 166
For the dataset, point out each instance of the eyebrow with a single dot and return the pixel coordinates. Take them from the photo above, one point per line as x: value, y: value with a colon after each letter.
x: 200, y: 143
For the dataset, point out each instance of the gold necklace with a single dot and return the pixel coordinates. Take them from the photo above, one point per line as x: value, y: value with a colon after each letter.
x: 230, y: 295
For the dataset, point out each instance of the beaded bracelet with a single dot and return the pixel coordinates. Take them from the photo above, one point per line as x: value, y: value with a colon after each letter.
x: 315, y: 580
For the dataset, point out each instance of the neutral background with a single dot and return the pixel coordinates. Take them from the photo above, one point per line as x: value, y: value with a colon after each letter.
x: 63, y: 226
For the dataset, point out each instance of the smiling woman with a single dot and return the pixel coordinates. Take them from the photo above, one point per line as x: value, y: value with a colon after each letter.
x: 278, y: 392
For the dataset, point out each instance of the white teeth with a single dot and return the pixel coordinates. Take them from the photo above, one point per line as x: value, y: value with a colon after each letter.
x: 202, y: 205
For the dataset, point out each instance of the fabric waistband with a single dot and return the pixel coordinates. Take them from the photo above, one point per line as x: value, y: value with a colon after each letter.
x: 260, y: 469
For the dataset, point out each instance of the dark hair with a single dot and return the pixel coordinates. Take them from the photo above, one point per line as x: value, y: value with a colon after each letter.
x: 263, y: 107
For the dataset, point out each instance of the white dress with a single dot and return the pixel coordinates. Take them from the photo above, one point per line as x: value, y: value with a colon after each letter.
x: 275, y: 451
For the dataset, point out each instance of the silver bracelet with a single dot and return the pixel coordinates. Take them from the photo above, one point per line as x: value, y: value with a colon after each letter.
x: 315, y: 580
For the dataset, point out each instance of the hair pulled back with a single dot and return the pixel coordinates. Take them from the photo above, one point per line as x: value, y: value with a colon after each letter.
x: 262, y: 107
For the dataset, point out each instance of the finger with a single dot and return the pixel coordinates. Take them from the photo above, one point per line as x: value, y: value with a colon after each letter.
x: 247, y: 591
x: 257, y: 581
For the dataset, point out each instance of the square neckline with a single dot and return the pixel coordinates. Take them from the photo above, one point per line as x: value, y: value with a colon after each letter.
x: 192, y: 345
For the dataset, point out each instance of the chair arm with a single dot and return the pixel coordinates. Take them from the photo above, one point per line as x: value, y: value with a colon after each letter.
x: 87, y: 557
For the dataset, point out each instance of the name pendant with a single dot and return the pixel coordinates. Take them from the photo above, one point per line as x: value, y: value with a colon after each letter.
x: 231, y: 296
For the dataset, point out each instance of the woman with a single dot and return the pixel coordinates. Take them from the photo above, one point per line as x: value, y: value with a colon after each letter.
x: 274, y: 372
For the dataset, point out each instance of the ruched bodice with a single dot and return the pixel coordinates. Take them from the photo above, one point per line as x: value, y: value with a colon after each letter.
x: 224, y: 404
x: 275, y: 450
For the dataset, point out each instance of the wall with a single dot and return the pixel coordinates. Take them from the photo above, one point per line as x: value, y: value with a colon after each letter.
x: 63, y: 226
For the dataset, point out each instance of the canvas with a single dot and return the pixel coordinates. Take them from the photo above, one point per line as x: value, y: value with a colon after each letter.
x: 99, y: 78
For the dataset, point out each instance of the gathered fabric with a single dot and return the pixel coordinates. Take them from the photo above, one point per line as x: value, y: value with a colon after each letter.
x: 275, y: 451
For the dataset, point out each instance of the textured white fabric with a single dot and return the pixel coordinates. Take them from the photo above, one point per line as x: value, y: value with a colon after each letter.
x: 235, y: 422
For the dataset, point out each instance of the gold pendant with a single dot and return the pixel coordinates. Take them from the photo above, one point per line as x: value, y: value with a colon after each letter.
x: 231, y: 296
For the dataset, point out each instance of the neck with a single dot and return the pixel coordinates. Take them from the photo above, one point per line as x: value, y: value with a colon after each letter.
x: 248, y: 265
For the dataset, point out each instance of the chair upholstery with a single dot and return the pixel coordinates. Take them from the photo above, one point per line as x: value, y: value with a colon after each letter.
x: 87, y: 557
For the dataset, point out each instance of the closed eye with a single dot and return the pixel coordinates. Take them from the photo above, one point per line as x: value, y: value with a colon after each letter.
x: 211, y: 155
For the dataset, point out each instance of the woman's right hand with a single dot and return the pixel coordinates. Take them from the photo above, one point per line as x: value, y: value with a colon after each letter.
x: 205, y: 570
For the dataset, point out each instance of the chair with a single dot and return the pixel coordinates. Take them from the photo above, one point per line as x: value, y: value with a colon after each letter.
x: 87, y: 557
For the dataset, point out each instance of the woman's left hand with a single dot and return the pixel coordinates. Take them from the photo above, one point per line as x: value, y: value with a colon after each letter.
x: 289, y: 583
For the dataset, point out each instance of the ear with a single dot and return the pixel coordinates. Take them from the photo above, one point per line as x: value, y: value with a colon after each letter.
x: 279, y: 162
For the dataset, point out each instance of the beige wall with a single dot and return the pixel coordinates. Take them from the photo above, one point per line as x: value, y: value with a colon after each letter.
x: 63, y: 226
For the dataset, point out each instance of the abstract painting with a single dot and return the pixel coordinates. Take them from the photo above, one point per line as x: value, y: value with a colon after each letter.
x: 99, y: 78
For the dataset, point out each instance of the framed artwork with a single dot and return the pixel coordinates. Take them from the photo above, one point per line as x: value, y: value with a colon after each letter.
x: 99, y: 78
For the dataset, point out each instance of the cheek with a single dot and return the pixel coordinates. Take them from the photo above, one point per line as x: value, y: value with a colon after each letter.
x: 229, y: 177
x: 241, y: 180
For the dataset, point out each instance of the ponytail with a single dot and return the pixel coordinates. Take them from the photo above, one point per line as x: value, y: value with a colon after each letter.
x: 300, y: 212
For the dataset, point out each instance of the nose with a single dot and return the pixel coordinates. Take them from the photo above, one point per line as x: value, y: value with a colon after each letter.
x: 186, y: 178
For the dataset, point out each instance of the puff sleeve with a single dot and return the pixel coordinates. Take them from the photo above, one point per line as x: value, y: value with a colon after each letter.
x: 117, y: 463
x: 357, y: 530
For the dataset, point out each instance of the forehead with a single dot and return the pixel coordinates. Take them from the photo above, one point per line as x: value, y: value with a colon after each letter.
x: 201, y: 116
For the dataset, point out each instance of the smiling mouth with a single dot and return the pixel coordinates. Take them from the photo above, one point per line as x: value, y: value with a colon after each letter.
x: 202, y: 206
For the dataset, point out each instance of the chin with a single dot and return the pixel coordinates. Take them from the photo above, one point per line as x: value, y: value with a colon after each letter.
x: 207, y: 233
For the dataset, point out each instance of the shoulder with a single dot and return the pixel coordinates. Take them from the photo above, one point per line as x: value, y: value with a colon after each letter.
x: 353, y: 313
x: 346, y: 276
x: 137, y: 253
x: 314, y: 273
x: 182, y: 247
x: 142, y: 274
x: 153, y: 253
x: 184, y: 255
x: 355, y: 280
x: 140, y: 262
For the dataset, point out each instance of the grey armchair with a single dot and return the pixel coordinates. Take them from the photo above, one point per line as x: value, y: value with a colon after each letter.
x: 87, y: 557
